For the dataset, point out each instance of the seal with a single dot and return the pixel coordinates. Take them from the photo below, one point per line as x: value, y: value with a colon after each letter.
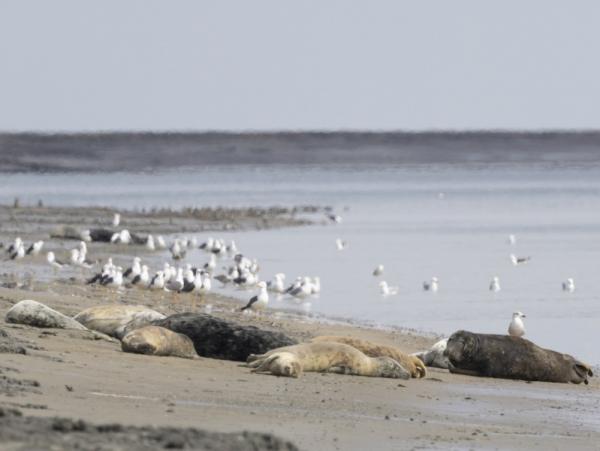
x: 325, y: 356
x: 413, y: 364
x: 219, y: 339
x: 33, y: 313
x: 434, y: 357
x: 507, y: 357
x: 116, y: 320
x: 155, y: 340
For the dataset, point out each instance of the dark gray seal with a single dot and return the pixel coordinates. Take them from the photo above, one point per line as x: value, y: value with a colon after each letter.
x: 507, y: 357
x: 220, y: 339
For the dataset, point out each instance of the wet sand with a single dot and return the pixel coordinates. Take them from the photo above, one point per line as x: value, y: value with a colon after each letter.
x: 73, y: 374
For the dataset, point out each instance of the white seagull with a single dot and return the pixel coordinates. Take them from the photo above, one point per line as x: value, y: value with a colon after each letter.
x: 340, y: 244
x: 512, y: 239
x: 158, y: 281
x: 432, y: 285
x: 386, y: 290
x: 518, y: 260
x: 495, y: 284
x: 150, y: 243
x: 142, y: 278
x: 260, y: 301
x: 56, y: 264
x: 35, y: 248
x: 516, y: 328
x: 116, y: 220
x: 277, y: 284
x: 378, y: 271
x: 569, y: 285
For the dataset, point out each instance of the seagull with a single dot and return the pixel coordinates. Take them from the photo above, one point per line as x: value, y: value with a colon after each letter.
x: 135, y: 268
x: 35, y: 248
x: 143, y: 277
x: 340, y: 244
x: 232, y: 248
x: 74, y: 257
x: 512, y: 239
x: 495, y: 284
x: 315, y: 285
x: 431, y: 285
x: 160, y: 242
x: 158, y: 281
x: 114, y: 280
x: 378, y: 271
x: 116, y: 220
x: 15, y: 245
x: 569, y: 285
x: 304, y: 290
x: 211, y: 264
x: 518, y: 260
x: 206, y: 283
x: 334, y: 218
x: 277, y: 284
x: 150, y: 243
x: 516, y: 328
x: 56, y: 264
x: 177, y: 251
x: 259, y: 301
x: 202, y: 283
x: 175, y: 284
x: 18, y: 253
x: 386, y: 290
x: 207, y: 245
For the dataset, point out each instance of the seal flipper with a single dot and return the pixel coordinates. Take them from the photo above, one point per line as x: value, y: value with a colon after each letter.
x: 455, y: 370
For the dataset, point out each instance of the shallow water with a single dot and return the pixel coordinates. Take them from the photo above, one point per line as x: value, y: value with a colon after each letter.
x: 396, y: 216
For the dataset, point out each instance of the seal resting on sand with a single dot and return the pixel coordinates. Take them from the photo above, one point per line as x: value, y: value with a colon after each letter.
x: 507, y: 357
x: 116, y: 320
x: 154, y: 340
x: 220, y: 339
x: 434, y: 356
x: 325, y: 356
x: 33, y: 313
x: 412, y: 363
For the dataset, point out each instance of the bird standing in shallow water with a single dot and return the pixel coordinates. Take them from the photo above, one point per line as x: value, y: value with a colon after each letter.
x: 386, y: 290
x: 516, y: 328
x: 518, y: 260
x: 432, y: 285
x: 569, y: 285
x: 495, y: 284
x: 340, y: 244
x: 378, y: 271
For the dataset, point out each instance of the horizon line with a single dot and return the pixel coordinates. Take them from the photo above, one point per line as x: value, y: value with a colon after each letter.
x: 283, y: 131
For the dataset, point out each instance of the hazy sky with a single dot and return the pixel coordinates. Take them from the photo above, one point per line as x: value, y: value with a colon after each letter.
x: 198, y: 65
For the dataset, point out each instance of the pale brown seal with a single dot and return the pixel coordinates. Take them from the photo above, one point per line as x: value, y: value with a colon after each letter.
x: 155, y: 340
x: 413, y: 364
x: 113, y: 319
x: 331, y: 357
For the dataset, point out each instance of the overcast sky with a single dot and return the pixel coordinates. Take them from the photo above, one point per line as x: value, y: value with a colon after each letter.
x: 268, y: 65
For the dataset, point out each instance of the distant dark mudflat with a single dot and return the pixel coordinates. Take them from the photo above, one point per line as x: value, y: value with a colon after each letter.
x: 143, y: 151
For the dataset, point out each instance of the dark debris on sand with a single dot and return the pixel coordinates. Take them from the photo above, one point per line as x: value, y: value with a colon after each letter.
x: 10, y: 345
x: 33, y: 433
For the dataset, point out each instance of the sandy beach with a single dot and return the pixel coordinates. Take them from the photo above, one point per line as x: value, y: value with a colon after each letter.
x: 79, y: 376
